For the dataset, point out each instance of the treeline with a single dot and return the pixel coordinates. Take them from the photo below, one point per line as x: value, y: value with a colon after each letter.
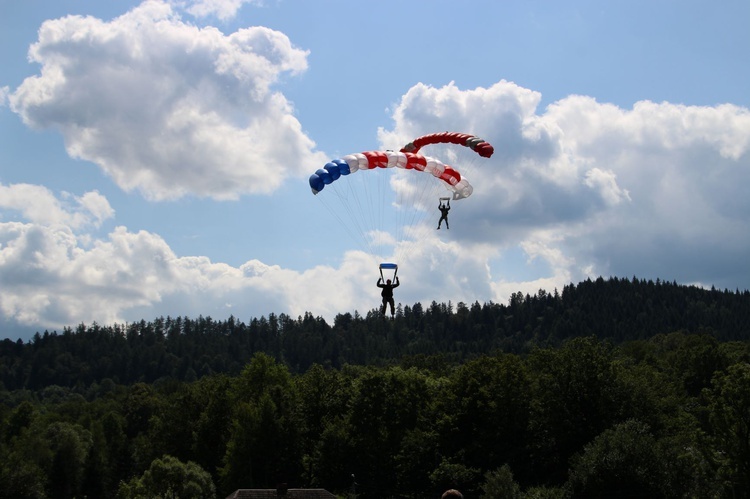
x: 660, y: 418
x: 188, y: 349
x: 611, y: 388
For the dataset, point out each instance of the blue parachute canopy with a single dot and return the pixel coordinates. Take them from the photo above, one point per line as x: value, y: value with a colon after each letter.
x: 388, y: 267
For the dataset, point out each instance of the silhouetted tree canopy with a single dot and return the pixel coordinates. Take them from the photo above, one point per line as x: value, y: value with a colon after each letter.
x: 617, y: 386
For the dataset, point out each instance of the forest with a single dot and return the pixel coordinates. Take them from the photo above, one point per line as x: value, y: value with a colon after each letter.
x: 609, y: 388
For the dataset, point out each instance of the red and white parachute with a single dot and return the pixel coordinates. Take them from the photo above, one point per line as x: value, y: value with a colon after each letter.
x: 480, y: 146
x: 370, y: 160
x: 397, y: 191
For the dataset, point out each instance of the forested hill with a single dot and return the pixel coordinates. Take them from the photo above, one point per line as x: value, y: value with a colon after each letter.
x: 615, y: 309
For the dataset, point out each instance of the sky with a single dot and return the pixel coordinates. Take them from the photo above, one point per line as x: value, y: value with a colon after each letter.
x: 155, y: 155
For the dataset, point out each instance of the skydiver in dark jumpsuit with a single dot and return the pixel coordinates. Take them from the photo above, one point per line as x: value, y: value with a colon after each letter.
x: 387, y: 294
x: 444, y: 209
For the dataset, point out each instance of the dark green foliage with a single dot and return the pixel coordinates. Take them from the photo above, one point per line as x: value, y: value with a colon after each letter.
x: 187, y: 349
x: 629, y: 386
x: 576, y: 398
x: 621, y: 462
x: 485, y: 412
x: 264, y: 440
x: 499, y: 484
x: 168, y: 477
x: 729, y: 416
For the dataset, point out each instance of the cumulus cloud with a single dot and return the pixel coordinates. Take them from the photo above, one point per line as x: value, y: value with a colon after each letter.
x: 167, y: 108
x: 591, y: 188
x: 40, y: 206
x: 54, y: 273
x: 222, y: 9
x: 605, y: 183
x: 51, y: 280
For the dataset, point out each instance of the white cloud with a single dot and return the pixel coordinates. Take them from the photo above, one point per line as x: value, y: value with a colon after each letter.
x: 38, y: 204
x: 654, y: 191
x: 53, y: 275
x: 50, y: 280
x: 605, y: 183
x: 223, y: 9
x: 168, y: 108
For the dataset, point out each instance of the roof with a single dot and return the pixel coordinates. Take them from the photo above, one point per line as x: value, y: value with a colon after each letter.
x: 272, y: 494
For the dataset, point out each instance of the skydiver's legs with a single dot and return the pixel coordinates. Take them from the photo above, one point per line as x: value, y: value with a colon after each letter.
x: 384, y: 307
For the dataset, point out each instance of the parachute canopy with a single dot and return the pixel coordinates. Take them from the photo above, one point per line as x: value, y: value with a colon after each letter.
x: 388, y: 267
x: 480, y: 146
x: 369, y: 160
x: 381, y: 211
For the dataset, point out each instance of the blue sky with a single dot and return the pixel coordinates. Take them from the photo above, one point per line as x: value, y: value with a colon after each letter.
x: 154, y: 156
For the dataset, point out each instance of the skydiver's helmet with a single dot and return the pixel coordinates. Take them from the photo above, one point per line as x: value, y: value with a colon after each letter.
x: 388, y: 281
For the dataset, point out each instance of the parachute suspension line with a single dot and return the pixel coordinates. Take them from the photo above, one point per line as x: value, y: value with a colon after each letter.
x: 416, y: 207
x: 356, y: 205
x: 417, y: 198
x: 369, y: 210
x: 352, y: 226
x: 373, y: 213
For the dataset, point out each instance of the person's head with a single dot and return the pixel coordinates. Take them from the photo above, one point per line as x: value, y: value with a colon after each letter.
x: 388, y: 281
x: 452, y: 494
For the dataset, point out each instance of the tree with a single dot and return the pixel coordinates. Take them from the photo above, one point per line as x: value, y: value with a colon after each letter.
x: 70, y: 445
x: 451, y: 475
x: 324, y: 394
x: 212, y: 427
x: 575, y: 398
x: 20, y: 418
x: 264, y: 446
x: 237, y: 469
x: 485, y: 412
x: 499, y: 484
x: 621, y: 462
x: 169, y: 478
x: 386, y: 406
x: 729, y: 406
x: 334, y: 456
x: 21, y: 479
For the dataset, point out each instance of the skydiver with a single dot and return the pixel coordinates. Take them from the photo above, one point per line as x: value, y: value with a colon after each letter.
x: 444, y: 209
x: 387, y: 294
